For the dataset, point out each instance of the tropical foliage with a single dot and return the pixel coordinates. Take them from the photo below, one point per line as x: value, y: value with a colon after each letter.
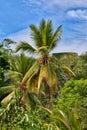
x: 42, y: 75
x: 46, y: 91
x: 73, y: 98
x: 14, y: 116
x: 45, y: 41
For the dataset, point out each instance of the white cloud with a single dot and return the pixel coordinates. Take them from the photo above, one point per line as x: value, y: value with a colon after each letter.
x: 77, y: 46
x: 20, y: 35
x: 79, y: 13
x: 53, y: 7
x: 47, y: 4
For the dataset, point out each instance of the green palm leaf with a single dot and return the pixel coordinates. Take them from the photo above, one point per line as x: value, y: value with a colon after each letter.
x: 42, y: 26
x: 8, y: 41
x: 61, y: 117
x: 74, y: 120
x: 55, y: 38
x: 47, y: 33
x: 21, y: 64
x: 36, y: 36
x: 25, y: 47
x: 63, y: 120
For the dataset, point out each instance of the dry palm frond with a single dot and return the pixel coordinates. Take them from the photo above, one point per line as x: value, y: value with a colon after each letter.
x: 68, y: 71
x: 48, y: 76
x: 8, y: 98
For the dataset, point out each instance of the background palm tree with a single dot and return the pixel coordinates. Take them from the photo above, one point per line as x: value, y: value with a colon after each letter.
x: 18, y: 66
x: 4, y: 68
x: 65, y: 63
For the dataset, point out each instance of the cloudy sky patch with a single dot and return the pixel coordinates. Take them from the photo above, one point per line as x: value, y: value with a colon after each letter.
x: 78, y: 13
x: 17, y: 15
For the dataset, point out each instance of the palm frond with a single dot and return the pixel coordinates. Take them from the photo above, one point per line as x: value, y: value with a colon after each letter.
x: 47, y: 74
x: 46, y: 110
x: 25, y: 47
x: 7, y: 99
x: 32, y: 83
x: 25, y: 63
x: 13, y: 78
x: 31, y: 72
x: 42, y: 25
x: 8, y: 41
x: 21, y: 64
x: 55, y: 37
x: 36, y: 36
x: 41, y: 49
x: 68, y: 71
x: 43, y: 75
x: 53, y: 79
x: 30, y: 99
x: 61, y: 117
x: 5, y: 90
x: 74, y: 120
x: 49, y: 32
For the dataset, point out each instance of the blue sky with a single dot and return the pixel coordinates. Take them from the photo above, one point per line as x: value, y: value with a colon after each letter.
x: 17, y: 15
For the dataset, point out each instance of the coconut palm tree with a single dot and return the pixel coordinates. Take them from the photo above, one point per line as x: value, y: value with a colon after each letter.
x: 42, y: 75
x: 42, y: 72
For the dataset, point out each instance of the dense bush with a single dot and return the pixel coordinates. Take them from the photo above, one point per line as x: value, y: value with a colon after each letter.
x: 14, y: 116
x: 73, y: 97
x: 4, y: 66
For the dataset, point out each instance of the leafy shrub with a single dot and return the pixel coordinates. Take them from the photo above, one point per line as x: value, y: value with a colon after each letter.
x: 14, y: 116
x: 73, y: 97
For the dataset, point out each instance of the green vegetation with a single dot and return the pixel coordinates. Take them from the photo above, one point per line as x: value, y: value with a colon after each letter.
x: 73, y: 98
x: 44, y: 93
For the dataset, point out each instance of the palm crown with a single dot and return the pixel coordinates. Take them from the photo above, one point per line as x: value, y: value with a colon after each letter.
x: 44, y: 38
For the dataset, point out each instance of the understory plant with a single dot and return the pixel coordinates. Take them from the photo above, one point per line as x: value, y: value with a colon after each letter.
x: 16, y: 116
